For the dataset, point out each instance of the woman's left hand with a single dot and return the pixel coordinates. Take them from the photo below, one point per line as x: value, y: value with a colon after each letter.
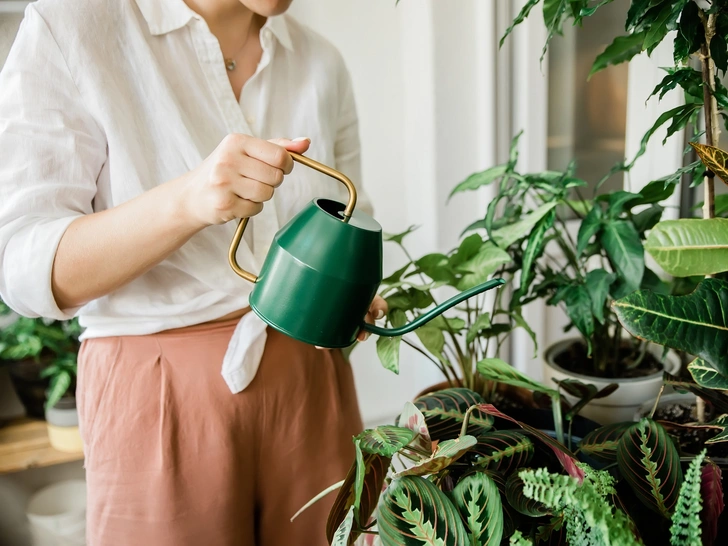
x: 377, y: 310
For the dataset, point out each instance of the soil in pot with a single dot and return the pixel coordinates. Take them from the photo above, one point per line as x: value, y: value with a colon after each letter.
x: 575, y: 359
x: 692, y: 440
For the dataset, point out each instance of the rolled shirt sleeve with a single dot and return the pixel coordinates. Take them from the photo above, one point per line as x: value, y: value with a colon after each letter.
x: 51, y: 153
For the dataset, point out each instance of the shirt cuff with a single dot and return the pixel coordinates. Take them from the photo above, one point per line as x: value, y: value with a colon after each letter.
x: 28, y: 264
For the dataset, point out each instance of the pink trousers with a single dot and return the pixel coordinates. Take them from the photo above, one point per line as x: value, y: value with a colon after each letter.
x: 173, y: 458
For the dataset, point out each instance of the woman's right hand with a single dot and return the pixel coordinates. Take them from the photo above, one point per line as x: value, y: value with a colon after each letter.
x: 237, y: 178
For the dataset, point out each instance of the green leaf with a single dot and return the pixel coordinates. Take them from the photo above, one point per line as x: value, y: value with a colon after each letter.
x: 483, y: 265
x: 385, y: 440
x: 659, y: 190
x: 679, y: 116
x: 446, y: 453
x: 522, y: 15
x: 584, y: 393
x: 617, y: 202
x: 622, y: 49
x: 598, y: 282
x: 456, y: 324
x: 437, y: 267
x: 414, y: 511
x: 707, y: 376
x: 714, y: 397
x: 578, y: 306
x: 341, y: 536
x: 58, y: 387
x: 495, y: 369
x: 624, y: 248
x: 478, y: 500
x: 663, y: 23
x: 376, y: 468
x: 388, y: 347
x: 468, y: 248
x: 690, y: 246
x: 361, y: 471
x: 648, y: 218
x: 696, y: 323
x: 399, y: 237
x: 684, y: 77
x: 502, y: 451
x: 650, y: 463
x: 517, y: 317
x: 412, y: 418
x: 520, y: 502
x: 484, y: 178
x: 445, y: 410
x: 601, y: 444
x: 534, y: 249
x: 685, y: 529
x: 432, y: 338
x: 506, y: 236
x: 396, y: 276
x: 690, y: 33
x: 718, y: 52
x: 481, y: 323
x: 590, y: 226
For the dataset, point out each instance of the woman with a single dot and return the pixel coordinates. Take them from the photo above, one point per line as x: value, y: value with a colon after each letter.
x: 132, y: 134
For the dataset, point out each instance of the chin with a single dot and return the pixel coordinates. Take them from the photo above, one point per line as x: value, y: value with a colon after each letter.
x: 267, y: 8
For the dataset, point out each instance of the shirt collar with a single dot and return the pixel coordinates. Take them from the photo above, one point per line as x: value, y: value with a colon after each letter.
x: 164, y: 16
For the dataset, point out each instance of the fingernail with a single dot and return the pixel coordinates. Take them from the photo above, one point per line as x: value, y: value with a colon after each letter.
x: 380, y: 313
x: 299, y: 139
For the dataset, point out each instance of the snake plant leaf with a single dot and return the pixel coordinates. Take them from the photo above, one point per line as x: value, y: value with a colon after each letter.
x: 601, y: 444
x: 699, y: 367
x: 445, y: 454
x: 690, y: 246
x: 445, y: 410
x: 707, y: 376
x: 414, y: 511
x: 375, y: 472
x: 413, y: 419
x: 385, y: 440
x: 495, y: 369
x: 520, y: 502
x: 343, y: 532
x: 715, y: 159
x: 502, y: 450
x: 649, y: 461
x: 624, y: 248
x: 696, y: 323
x: 711, y: 490
x: 565, y: 457
x: 478, y: 500
x: 507, y: 235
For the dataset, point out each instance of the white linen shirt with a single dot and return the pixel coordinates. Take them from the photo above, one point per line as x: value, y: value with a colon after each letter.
x: 102, y: 100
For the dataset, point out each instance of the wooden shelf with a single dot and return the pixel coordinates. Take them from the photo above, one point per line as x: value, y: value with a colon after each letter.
x: 24, y: 444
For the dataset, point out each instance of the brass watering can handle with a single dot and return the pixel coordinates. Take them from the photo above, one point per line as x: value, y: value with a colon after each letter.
x: 348, y: 211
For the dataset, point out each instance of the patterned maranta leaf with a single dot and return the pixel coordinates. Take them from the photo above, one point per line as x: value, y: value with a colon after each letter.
x: 446, y: 453
x: 412, y: 418
x: 502, y: 450
x: 649, y: 461
x: 385, y: 440
x: 413, y: 511
x: 601, y: 444
x: 445, y: 410
x: 713, y: 158
x: 479, y: 502
x: 519, y: 501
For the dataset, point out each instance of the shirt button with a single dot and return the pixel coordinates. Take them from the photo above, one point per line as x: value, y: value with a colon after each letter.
x: 250, y: 120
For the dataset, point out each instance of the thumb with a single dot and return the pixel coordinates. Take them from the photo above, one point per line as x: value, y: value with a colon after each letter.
x: 298, y: 145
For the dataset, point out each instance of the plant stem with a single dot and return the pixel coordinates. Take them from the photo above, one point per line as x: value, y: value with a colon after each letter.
x: 558, y: 421
x: 466, y: 418
x: 657, y: 401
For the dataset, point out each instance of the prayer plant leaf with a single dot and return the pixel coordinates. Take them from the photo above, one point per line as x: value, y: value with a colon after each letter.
x: 478, y: 500
x: 385, y: 440
x: 601, y: 444
x: 445, y: 410
x: 502, y: 451
x: 445, y: 454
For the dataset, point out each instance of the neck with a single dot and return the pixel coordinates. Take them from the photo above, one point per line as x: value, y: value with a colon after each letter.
x: 226, y: 17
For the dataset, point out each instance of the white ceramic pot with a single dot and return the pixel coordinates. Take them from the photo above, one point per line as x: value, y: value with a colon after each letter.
x: 622, y: 404
x: 687, y: 399
x: 57, y: 514
x: 62, y: 423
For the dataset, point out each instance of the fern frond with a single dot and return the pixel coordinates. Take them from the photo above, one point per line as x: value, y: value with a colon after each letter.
x: 685, y: 529
x: 517, y: 539
x: 604, y: 524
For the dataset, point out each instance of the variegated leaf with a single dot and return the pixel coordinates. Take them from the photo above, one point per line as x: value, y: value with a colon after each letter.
x: 601, y: 444
x: 385, y: 440
x: 343, y: 532
x: 376, y: 467
x: 565, y: 457
x: 502, y: 450
x: 715, y: 397
x: 414, y: 511
x: 412, y: 418
x: 478, y: 500
x: 707, y: 376
x: 713, y: 158
x: 722, y: 422
x: 445, y: 410
x: 446, y: 452
x: 649, y: 461
x: 519, y: 501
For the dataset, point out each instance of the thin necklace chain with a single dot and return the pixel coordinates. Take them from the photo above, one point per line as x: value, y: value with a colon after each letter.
x: 230, y: 62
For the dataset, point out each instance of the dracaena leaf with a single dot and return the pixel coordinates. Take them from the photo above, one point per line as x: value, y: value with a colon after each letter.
x: 696, y: 323
x: 601, y: 444
x: 385, y: 440
x: 690, y: 246
x: 650, y: 463
x: 502, y: 451
x: 445, y: 410
x: 445, y: 454
x: 478, y: 500
x: 413, y: 510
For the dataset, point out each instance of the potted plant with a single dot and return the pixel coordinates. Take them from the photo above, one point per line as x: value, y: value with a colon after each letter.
x: 39, y: 354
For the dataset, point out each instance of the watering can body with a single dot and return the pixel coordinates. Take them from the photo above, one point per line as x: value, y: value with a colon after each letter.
x: 320, y: 275
x: 323, y: 270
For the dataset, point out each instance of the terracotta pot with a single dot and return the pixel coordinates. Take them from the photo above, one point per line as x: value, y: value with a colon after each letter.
x: 622, y: 404
x: 29, y: 385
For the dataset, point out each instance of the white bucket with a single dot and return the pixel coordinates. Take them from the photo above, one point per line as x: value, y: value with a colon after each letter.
x: 57, y: 514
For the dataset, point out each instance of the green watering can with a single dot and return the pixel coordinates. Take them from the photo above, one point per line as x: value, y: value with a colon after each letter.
x: 323, y: 270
